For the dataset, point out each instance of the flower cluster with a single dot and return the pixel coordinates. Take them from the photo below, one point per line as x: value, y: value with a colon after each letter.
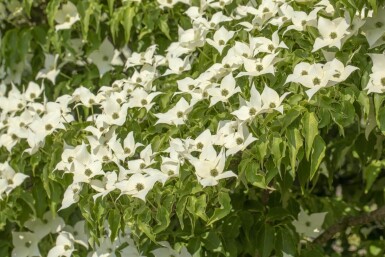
x: 236, y: 87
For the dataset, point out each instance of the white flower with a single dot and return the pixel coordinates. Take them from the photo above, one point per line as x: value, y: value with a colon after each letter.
x: 209, y: 168
x: 192, y: 38
x: 376, y: 82
x: 225, y: 131
x: 309, y: 225
x: 33, y: 91
x: 114, y: 114
x: 301, y: 20
x: 103, y: 57
x: 49, y: 224
x: 140, y: 165
x: 250, y: 109
x: 66, y: 16
x: 50, y: 70
x: 141, y: 58
x: 176, y: 115
x: 104, y: 186
x: 374, y: 27
x: 271, y: 100
x: 203, y: 140
x: 170, y: 3
x: 265, y: 45
x: 332, y: 32
x: 327, y: 6
x: 85, y: 96
x: 226, y: 90
x: 259, y: 66
x: 177, y: 65
x: 219, y: 4
x: 220, y: 39
x: 314, y: 78
x: 71, y: 195
x: 338, y: 71
x: 127, y: 149
x: 170, y: 166
x: 9, y: 179
x: 140, y: 98
x: 25, y: 244
x: 79, y: 233
x: 260, y: 103
x: 64, y: 246
x: 239, y: 141
x: 138, y: 185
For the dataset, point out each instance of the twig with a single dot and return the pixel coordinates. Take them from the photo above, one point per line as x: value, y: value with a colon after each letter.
x: 355, y: 221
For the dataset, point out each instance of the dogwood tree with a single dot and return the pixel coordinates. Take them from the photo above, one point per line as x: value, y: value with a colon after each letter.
x: 249, y: 128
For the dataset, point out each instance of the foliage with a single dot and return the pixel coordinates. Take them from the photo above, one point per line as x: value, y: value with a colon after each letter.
x: 190, y: 128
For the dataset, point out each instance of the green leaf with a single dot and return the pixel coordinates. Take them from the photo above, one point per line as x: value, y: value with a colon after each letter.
x: 114, y: 222
x: 163, y: 26
x: 295, y: 143
x: 265, y: 241
x: 211, y: 241
x: 371, y: 173
x: 51, y: 10
x: 180, y: 208
x: 127, y: 22
x: 371, y: 123
x: 317, y: 155
x: 253, y: 176
x: 223, y: 211
x: 309, y: 130
x: 143, y: 224
x: 197, y: 206
x: 27, y: 4
x: 163, y: 219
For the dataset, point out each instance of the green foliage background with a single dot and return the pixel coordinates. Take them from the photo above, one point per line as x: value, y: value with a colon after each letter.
x: 334, y: 140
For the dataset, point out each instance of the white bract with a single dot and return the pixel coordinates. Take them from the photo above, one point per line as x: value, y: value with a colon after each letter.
x: 309, y: 225
x: 9, y: 179
x: 226, y: 89
x: 260, y: 103
x: 209, y: 168
x: 66, y: 16
x: 332, y: 32
x: 220, y: 39
x: 176, y: 115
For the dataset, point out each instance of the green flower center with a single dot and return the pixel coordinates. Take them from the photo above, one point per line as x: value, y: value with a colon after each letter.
x: 115, y: 115
x: 139, y: 186
x: 333, y: 35
x: 239, y: 141
x: 383, y: 81
x: 316, y: 81
x: 252, y: 111
x: 179, y: 114
x: 214, y: 172
x: 88, y: 172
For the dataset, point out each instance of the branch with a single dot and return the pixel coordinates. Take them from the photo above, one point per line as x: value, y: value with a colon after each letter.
x: 359, y: 220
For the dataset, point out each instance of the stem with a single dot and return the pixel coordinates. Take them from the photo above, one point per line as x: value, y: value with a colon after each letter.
x: 354, y: 221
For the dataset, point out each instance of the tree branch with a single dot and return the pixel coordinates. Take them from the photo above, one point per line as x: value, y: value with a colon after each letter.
x: 359, y: 220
